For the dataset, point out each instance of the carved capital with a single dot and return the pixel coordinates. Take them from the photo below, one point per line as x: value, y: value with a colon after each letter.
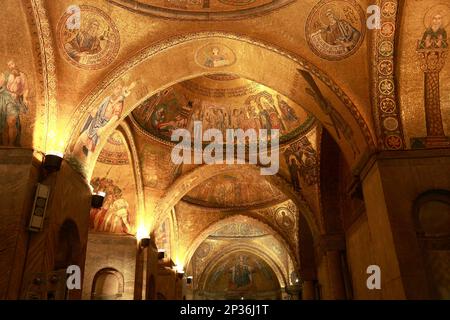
x: 432, y: 59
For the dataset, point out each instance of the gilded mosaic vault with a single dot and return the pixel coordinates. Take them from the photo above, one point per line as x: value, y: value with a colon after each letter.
x: 115, y: 117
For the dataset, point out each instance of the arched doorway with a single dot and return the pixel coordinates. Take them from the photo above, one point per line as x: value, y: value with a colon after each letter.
x: 108, y: 284
x: 432, y: 218
x: 68, y: 252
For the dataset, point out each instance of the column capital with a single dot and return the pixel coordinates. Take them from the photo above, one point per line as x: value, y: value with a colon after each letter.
x: 432, y: 59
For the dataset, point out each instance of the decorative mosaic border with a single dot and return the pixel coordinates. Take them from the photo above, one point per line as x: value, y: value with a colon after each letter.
x: 47, y: 56
x: 134, y: 158
x: 384, y: 88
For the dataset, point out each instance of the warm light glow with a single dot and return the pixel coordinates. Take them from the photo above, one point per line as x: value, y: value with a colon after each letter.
x: 55, y: 143
x: 178, y: 260
x: 142, y: 233
x: 101, y: 193
x: 161, y: 250
x: 178, y: 268
x: 56, y: 153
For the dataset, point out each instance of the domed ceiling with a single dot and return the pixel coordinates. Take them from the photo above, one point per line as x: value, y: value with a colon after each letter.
x: 238, y: 230
x: 221, y: 101
x: 201, y: 9
x: 234, y: 190
x: 114, y: 151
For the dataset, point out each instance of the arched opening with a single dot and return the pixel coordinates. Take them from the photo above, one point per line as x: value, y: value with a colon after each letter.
x: 155, y: 109
x: 239, y: 275
x: 108, y: 284
x: 326, y: 101
x: 68, y: 251
x: 432, y: 217
x: 260, y: 264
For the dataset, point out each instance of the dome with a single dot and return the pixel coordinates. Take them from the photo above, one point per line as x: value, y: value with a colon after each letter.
x: 220, y: 102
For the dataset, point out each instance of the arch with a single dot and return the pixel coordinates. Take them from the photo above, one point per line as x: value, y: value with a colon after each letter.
x: 179, y: 53
x: 68, y: 250
x: 44, y: 135
x: 249, y: 249
x: 134, y: 175
x: 235, y: 218
x: 195, y: 177
x: 172, y: 232
x: 127, y: 136
x: 436, y: 196
x: 108, y: 284
x: 431, y: 214
x: 149, y: 9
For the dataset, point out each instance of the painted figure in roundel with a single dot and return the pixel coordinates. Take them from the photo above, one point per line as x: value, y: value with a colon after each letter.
x: 91, y: 43
x: 284, y: 218
x: 215, y: 55
x: 335, y: 28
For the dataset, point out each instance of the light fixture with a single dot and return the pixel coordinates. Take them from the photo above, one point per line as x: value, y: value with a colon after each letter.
x: 97, y: 200
x: 179, y: 271
x: 180, y: 274
x: 161, y: 254
x: 52, y: 161
x: 144, y: 242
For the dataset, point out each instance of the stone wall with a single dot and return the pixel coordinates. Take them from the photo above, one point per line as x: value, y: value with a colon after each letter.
x: 115, y: 251
x: 30, y: 259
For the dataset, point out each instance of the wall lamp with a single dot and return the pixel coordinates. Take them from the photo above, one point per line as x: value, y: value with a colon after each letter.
x: 144, y: 242
x: 52, y: 161
x: 179, y: 271
x: 97, y: 200
x: 161, y: 254
x: 180, y: 274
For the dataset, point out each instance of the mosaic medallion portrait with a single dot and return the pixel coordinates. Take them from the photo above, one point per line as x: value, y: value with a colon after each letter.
x: 215, y: 55
x: 90, y: 43
x: 335, y: 29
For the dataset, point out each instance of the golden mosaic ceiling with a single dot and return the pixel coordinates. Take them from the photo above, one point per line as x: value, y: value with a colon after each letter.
x: 234, y: 190
x: 201, y: 9
x: 221, y: 101
x: 239, y: 230
x: 114, y: 151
